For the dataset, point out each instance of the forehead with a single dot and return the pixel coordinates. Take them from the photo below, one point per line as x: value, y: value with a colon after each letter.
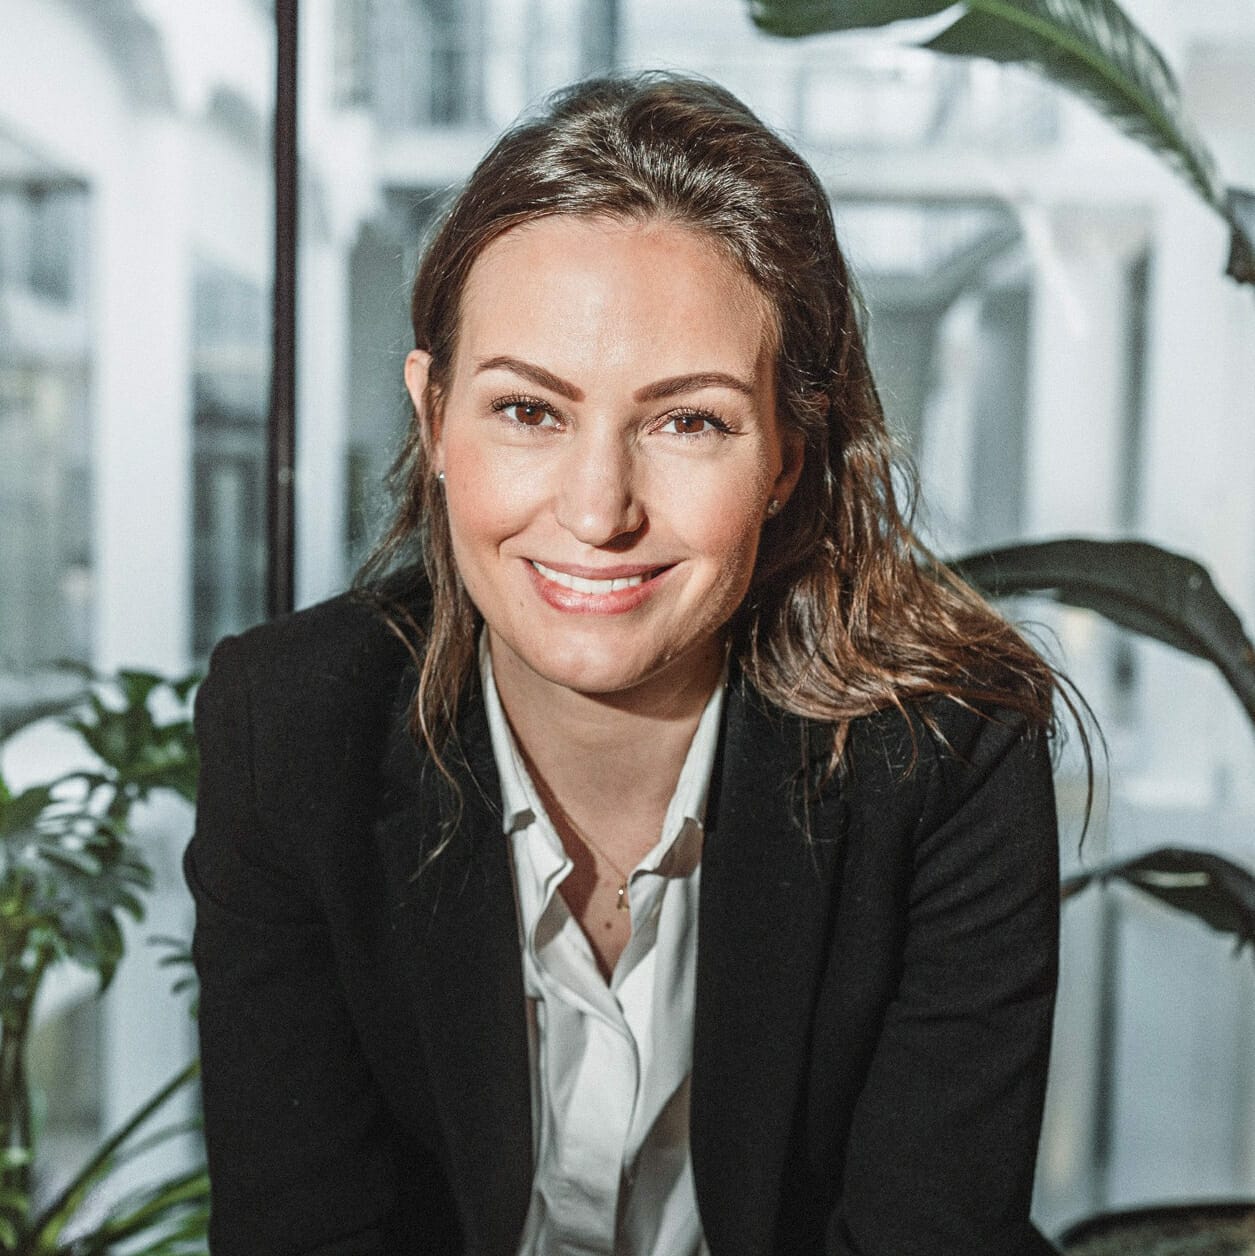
x: 606, y: 290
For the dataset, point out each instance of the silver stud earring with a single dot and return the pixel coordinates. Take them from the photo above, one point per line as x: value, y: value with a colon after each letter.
x: 439, y: 477
x: 773, y: 508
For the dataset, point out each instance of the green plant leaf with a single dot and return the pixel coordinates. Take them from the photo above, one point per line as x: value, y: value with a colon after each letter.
x: 1211, y: 888
x: 63, y: 887
x: 178, y: 955
x: 795, y: 18
x: 136, y: 686
x: 73, y: 861
x: 1093, y: 48
x: 132, y: 1150
x: 50, y: 1224
x: 19, y: 813
x: 167, y: 1202
x: 1141, y: 587
x: 68, y: 874
x: 138, y: 753
x: 1242, y: 243
x: 184, y: 685
x: 1089, y: 47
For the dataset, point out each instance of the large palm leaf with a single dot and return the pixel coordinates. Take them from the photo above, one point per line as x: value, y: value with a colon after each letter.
x: 1090, y: 47
x: 1141, y: 587
x: 1202, y: 884
x: 1169, y: 598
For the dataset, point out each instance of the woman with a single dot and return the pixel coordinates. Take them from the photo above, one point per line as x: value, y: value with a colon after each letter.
x: 668, y: 864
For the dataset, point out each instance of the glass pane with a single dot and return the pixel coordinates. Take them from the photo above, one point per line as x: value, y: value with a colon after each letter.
x: 135, y: 271
x: 45, y: 476
x: 229, y: 395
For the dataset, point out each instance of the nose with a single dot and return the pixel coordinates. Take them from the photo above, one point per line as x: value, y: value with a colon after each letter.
x: 597, y: 498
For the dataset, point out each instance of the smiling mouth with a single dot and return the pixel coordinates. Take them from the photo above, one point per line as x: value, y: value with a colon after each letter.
x: 581, y: 584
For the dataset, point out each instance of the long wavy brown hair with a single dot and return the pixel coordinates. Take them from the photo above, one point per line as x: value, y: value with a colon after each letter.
x: 847, y: 613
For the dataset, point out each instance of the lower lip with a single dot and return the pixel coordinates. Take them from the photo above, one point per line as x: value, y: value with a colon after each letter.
x: 617, y: 602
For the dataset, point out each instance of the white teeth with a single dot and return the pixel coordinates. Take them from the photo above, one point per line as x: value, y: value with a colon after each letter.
x: 580, y: 585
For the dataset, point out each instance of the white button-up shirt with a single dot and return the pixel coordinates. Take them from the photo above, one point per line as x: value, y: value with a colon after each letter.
x: 610, y: 1064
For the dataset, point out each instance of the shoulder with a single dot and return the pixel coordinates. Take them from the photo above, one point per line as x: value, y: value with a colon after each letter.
x: 322, y: 670
x: 941, y: 734
x: 930, y: 760
x: 351, y: 638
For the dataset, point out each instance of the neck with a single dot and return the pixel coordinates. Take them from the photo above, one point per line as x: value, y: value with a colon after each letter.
x: 606, y: 754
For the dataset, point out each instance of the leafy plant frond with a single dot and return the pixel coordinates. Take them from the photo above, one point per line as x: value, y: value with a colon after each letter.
x: 18, y: 813
x: 1141, y: 587
x: 1209, y: 887
x: 1093, y: 48
x: 59, y: 1213
x: 136, y: 686
x: 1242, y: 241
x: 139, y: 752
x: 796, y: 18
x: 1090, y: 47
x: 138, y: 1147
x: 69, y: 875
x: 178, y: 956
x: 173, y: 1211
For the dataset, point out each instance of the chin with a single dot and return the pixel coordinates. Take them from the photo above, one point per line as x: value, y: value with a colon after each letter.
x: 593, y: 672
x: 585, y: 666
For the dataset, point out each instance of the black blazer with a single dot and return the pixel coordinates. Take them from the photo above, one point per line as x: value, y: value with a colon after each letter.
x: 873, y: 1004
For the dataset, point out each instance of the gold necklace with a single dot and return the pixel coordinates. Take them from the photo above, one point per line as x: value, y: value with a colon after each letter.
x: 622, y: 903
x: 556, y: 808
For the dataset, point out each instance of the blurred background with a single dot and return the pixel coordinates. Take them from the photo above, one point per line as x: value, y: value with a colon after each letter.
x: 1054, y: 338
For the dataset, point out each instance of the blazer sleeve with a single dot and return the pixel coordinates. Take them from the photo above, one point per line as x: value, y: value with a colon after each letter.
x: 944, y: 1136
x: 299, y: 1153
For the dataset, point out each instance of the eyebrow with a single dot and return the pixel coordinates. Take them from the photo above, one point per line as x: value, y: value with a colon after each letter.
x: 536, y: 374
x: 691, y: 383
x: 656, y: 391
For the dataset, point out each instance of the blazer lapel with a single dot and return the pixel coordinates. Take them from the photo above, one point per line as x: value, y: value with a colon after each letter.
x: 458, y: 940
x: 764, y: 917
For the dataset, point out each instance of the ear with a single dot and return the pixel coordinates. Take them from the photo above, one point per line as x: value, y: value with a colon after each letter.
x: 792, y: 453
x: 417, y: 372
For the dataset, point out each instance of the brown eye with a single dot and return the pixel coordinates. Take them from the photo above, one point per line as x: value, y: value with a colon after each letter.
x: 527, y: 413
x: 694, y: 423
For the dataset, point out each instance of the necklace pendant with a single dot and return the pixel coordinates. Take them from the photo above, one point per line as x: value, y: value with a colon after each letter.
x: 622, y: 904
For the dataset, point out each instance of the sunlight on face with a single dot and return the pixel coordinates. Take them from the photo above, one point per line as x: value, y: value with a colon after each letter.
x: 610, y: 448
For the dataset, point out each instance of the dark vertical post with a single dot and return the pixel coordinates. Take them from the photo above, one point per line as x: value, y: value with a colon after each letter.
x: 281, y: 429
x: 1106, y: 1078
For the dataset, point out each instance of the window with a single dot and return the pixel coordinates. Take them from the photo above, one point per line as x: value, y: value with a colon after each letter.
x: 45, y: 477
x: 229, y: 455
x: 351, y: 70
x: 426, y: 63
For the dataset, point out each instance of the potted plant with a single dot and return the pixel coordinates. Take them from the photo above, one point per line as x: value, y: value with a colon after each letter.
x: 70, y: 872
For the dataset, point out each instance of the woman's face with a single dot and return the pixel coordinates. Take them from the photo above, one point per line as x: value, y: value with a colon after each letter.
x: 610, y: 448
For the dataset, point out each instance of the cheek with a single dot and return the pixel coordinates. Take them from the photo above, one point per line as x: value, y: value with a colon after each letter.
x: 724, y: 509
x: 486, y: 497
x: 737, y: 555
x: 727, y: 532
